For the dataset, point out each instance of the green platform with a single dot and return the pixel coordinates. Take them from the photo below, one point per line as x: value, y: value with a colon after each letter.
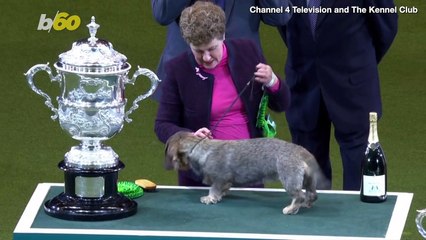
x: 176, y: 213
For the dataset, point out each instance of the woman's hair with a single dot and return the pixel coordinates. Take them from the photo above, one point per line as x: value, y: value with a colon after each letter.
x: 202, y: 22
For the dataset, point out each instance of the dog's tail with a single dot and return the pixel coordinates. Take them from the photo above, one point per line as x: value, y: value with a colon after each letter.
x: 315, y: 173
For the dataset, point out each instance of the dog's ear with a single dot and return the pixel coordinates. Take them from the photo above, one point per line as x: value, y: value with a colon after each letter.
x: 170, y: 152
x: 175, y: 154
x: 182, y: 160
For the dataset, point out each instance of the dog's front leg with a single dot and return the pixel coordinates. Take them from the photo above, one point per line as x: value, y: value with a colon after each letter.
x: 215, y: 194
x: 296, y: 202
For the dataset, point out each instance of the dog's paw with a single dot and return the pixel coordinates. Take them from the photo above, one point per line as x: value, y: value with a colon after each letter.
x: 289, y: 210
x: 209, y: 200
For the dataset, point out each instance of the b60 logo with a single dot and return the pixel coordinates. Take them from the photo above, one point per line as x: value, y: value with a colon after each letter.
x: 61, y: 21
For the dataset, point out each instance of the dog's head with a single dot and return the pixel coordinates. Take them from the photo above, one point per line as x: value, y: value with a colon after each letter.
x: 177, y: 149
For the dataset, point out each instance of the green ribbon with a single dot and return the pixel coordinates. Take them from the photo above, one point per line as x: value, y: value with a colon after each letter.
x: 264, y: 120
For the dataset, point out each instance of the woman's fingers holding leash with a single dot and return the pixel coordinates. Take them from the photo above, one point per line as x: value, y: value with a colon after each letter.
x: 203, y: 132
x: 263, y: 73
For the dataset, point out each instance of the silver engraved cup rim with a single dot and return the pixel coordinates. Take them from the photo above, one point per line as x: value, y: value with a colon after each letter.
x: 94, y: 69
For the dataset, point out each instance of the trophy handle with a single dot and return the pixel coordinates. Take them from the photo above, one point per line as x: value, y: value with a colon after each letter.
x: 154, y: 83
x: 30, y: 74
x: 419, y: 222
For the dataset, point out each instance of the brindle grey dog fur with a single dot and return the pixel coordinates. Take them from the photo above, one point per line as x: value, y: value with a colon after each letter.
x: 226, y: 163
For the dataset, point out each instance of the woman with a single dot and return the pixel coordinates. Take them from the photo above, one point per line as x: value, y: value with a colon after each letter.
x: 240, y: 22
x: 206, y: 90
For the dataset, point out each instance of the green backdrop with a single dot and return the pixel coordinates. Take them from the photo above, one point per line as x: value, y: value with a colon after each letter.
x: 32, y: 144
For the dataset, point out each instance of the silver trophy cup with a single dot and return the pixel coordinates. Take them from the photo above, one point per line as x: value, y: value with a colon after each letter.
x: 91, y: 109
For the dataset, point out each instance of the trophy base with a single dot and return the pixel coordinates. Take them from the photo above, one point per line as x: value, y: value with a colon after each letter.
x: 90, y: 195
x: 67, y: 207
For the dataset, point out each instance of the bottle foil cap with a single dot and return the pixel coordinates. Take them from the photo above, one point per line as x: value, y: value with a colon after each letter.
x: 373, y: 117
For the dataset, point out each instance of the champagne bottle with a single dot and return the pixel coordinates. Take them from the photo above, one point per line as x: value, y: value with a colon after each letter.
x: 374, y: 179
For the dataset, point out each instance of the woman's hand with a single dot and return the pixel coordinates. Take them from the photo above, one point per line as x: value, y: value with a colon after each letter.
x: 203, y: 133
x: 265, y: 75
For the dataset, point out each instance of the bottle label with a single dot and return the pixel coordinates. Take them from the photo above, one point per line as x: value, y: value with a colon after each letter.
x: 374, y: 185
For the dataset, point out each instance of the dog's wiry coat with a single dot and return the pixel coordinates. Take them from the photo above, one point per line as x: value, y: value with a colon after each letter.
x: 226, y: 163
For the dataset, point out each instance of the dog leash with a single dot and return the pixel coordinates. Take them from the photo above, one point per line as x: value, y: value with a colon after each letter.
x: 229, y: 108
x: 234, y: 101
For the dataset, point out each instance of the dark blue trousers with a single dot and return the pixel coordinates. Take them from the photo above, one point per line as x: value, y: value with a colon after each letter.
x: 352, y: 144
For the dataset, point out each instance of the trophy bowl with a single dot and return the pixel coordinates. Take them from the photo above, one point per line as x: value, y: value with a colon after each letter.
x: 91, y: 109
